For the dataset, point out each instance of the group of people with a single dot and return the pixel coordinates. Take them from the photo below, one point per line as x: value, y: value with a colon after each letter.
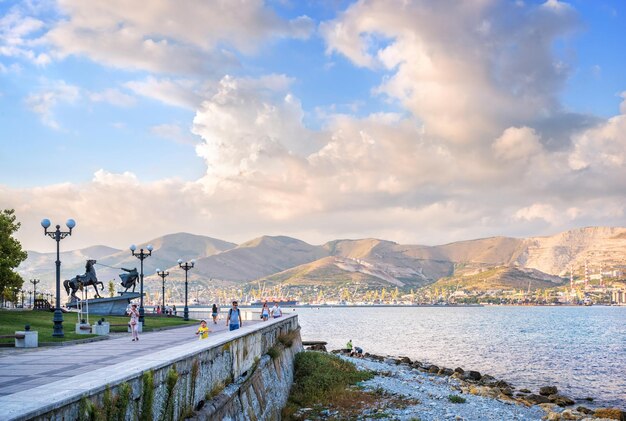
x: 275, y: 311
x: 167, y: 310
x: 233, y: 320
x: 354, y: 351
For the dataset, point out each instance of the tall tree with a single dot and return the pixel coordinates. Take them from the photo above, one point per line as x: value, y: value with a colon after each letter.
x: 11, y: 253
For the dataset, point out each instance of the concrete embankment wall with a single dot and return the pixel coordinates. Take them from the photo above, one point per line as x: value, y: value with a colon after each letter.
x: 241, y: 375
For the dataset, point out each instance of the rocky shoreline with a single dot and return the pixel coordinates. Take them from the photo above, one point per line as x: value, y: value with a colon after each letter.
x: 443, y: 393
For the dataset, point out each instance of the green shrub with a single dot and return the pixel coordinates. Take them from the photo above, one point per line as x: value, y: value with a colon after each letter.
x: 147, y: 396
x: 318, y: 377
x: 456, y: 399
x: 274, y: 352
x: 287, y: 338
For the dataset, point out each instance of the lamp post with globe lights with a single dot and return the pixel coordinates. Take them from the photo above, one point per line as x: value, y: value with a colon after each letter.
x: 163, y: 275
x: 58, y: 235
x: 186, y: 266
x: 141, y: 255
x: 35, y: 282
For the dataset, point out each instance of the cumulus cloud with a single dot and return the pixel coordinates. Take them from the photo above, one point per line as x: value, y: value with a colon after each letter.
x: 517, y: 143
x: 480, y: 145
x: 162, y: 36
x: 467, y: 70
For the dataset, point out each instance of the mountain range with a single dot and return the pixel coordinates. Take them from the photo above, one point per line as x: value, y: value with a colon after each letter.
x: 543, y: 261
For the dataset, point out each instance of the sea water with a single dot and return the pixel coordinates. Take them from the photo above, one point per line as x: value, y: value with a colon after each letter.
x: 581, y: 350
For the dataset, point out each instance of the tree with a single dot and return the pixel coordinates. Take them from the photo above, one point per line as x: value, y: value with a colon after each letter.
x: 111, y: 289
x: 11, y: 253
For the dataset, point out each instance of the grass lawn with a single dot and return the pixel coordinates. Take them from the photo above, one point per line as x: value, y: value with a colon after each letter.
x: 41, y: 321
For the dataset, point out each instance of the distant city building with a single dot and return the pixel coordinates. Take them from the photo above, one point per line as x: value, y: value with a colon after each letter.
x: 618, y: 297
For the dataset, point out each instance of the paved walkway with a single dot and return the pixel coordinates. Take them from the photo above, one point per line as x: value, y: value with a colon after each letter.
x: 25, y: 369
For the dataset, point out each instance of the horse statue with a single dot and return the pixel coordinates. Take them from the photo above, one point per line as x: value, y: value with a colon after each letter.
x: 129, y: 279
x: 80, y: 281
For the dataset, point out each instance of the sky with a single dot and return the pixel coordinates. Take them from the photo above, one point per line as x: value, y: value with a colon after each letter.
x: 420, y: 122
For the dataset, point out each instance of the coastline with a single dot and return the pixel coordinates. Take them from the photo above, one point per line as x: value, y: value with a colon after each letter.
x: 439, y: 393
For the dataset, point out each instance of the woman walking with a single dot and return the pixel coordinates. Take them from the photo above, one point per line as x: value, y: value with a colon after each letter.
x: 134, y: 321
x: 265, y: 312
x: 214, y: 313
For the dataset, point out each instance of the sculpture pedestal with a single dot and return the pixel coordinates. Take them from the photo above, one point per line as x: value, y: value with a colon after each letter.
x: 83, y: 329
x: 112, y: 306
x: 101, y: 329
x: 31, y: 339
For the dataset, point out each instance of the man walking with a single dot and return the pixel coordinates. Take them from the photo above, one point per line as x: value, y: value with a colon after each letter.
x: 233, y: 321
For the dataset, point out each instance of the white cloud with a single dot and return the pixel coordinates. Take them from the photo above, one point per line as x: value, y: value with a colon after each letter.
x: 174, y: 132
x: 50, y: 95
x: 471, y: 157
x: 602, y: 149
x: 16, y: 33
x: 162, y: 36
x: 517, y: 143
x: 113, y: 97
x: 464, y: 84
x: 177, y: 92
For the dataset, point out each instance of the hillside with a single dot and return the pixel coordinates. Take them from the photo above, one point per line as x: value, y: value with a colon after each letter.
x: 255, y: 259
x: 370, y: 261
x: 337, y: 271
x: 328, y: 271
x: 600, y: 246
x: 502, y: 278
x: 167, y: 250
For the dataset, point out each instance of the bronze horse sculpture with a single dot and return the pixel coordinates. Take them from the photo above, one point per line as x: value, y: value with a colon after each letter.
x: 80, y: 281
x: 129, y: 279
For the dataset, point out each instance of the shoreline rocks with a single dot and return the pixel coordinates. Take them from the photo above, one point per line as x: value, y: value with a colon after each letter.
x: 556, y: 405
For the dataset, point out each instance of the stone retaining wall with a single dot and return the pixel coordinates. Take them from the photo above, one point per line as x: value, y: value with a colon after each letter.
x: 242, y: 375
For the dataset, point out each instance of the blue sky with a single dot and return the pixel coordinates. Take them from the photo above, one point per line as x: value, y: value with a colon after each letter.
x: 316, y: 119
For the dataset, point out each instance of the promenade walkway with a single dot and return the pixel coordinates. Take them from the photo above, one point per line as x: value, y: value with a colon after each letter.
x: 22, y: 370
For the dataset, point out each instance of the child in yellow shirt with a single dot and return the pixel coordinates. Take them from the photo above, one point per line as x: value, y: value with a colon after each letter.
x: 203, y: 331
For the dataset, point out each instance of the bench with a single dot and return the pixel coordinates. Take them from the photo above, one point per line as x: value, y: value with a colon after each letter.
x: 14, y: 336
x: 24, y: 339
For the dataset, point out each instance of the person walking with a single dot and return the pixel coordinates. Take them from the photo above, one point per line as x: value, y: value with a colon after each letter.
x: 203, y: 331
x: 265, y: 312
x: 276, y: 311
x: 134, y: 321
x: 233, y: 321
x: 214, y: 313
x: 174, y: 309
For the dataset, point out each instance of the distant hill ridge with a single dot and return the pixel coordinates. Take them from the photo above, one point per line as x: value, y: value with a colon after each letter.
x: 370, y: 261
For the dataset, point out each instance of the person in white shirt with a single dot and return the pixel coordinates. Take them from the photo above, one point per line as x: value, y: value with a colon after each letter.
x: 276, y: 311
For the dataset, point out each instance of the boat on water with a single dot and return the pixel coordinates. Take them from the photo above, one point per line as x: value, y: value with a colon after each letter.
x: 270, y: 301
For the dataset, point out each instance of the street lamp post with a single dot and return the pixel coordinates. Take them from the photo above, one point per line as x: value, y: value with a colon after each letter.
x: 163, y: 275
x: 58, y: 235
x: 34, y: 282
x: 186, y: 266
x: 141, y: 256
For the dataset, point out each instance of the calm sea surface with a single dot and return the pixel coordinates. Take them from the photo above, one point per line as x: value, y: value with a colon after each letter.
x: 581, y: 350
